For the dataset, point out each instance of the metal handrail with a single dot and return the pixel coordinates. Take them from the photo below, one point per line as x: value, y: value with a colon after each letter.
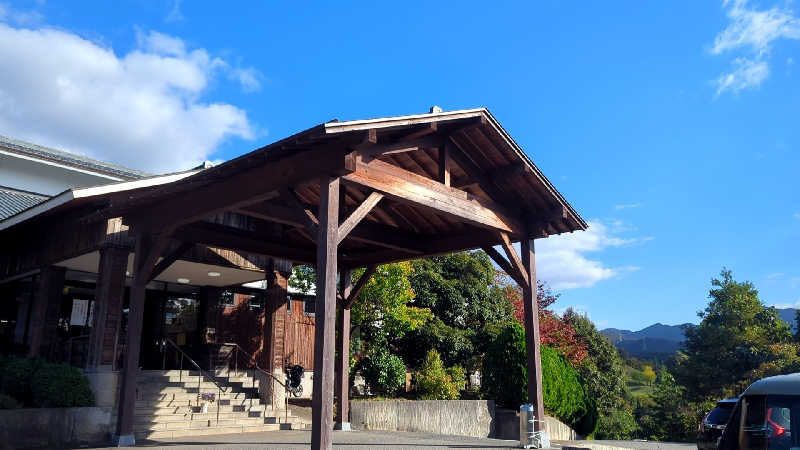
x: 251, y: 361
x: 201, y: 373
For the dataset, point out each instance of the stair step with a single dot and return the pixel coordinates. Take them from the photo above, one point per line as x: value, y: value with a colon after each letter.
x: 183, y: 395
x: 269, y: 418
x: 146, y: 434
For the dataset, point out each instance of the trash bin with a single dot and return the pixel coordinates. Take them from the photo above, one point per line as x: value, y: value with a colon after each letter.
x: 528, y: 436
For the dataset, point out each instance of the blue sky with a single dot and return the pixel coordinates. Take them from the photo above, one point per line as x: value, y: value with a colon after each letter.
x: 671, y: 126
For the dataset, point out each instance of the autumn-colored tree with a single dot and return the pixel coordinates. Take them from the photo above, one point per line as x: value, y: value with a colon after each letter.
x: 553, y: 331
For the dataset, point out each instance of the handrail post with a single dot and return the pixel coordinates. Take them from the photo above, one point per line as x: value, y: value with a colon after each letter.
x: 219, y: 398
x: 180, y: 370
x: 236, y: 361
x: 163, y: 355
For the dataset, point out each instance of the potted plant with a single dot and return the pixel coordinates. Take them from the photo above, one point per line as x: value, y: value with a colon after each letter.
x: 207, y: 398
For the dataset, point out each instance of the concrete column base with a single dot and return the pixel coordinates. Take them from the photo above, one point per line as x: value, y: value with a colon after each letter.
x: 125, y: 440
x: 342, y: 426
x: 105, y: 385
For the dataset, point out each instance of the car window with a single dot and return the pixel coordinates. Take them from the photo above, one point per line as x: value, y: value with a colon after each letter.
x: 719, y: 416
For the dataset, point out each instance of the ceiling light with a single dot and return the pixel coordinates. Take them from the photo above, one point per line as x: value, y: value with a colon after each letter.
x: 183, y: 280
x: 214, y: 274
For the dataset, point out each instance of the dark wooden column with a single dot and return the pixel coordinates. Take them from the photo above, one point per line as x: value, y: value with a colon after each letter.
x: 48, y: 287
x: 273, y: 338
x: 324, y: 333
x: 108, y: 297
x: 342, y: 387
x: 532, y: 331
x: 148, y: 250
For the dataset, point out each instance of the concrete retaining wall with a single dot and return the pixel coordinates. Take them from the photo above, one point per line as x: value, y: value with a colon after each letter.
x: 54, y: 427
x: 454, y: 417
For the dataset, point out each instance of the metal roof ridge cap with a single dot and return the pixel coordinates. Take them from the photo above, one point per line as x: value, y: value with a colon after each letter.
x: 346, y: 123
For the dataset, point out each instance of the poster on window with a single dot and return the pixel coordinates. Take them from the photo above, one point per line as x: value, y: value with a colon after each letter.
x: 80, y: 312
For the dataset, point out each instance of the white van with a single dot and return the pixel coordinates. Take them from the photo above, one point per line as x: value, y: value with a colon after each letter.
x: 766, y: 415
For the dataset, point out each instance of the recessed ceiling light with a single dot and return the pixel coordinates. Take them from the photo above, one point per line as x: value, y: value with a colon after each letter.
x: 183, y: 280
x: 214, y: 274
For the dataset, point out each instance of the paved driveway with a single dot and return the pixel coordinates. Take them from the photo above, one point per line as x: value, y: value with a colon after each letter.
x: 343, y: 440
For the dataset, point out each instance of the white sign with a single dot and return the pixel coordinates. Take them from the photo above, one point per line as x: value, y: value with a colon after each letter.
x: 80, y: 312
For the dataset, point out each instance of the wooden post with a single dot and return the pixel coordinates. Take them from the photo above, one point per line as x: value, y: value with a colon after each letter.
x: 47, y: 305
x: 108, y: 297
x: 148, y: 249
x: 324, y: 333
x: 273, y: 340
x: 342, y: 388
x: 532, y: 332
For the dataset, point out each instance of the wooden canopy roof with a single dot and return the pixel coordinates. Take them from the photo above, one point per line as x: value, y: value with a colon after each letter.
x: 424, y: 185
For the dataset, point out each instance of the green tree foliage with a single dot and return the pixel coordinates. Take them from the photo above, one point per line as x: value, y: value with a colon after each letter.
x: 505, y: 378
x: 649, y: 375
x: 736, y: 337
x: 435, y: 382
x: 303, y: 279
x: 603, y: 375
x: 671, y: 417
x: 461, y: 292
x: 386, y: 304
x: 458, y: 289
x: 383, y: 371
x: 616, y: 425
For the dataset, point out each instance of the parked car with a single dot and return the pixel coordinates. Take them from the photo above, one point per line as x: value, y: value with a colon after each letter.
x: 766, y: 415
x: 713, y: 424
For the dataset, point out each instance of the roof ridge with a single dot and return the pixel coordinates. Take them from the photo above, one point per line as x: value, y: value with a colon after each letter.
x: 73, y: 159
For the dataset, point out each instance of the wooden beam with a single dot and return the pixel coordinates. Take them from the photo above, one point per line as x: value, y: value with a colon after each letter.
x: 233, y: 239
x: 353, y: 296
x: 325, y: 327
x: 406, y: 145
x: 366, y: 232
x: 310, y: 220
x: 342, y: 385
x: 149, y: 248
x: 355, y: 218
x: 408, y: 187
x: 513, y: 258
x: 170, y: 259
x: 504, y: 264
x: 532, y: 341
x: 251, y: 186
x: 444, y: 164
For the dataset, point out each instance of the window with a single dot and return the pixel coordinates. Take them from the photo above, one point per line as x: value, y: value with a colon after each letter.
x: 227, y: 299
x: 256, y: 302
x: 309, y: 307
x: 288, y: 304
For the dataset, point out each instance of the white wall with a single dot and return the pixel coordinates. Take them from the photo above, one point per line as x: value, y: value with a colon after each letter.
x: 40, y: 177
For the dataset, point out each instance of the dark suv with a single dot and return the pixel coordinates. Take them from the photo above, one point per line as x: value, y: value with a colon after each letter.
x: 710, y: 430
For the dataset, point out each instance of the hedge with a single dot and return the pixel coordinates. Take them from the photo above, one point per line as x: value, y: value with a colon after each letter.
x: 505, y: 378
x: 36, y: 383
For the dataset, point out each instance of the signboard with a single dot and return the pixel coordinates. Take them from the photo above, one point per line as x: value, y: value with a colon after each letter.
x: 80, y: 312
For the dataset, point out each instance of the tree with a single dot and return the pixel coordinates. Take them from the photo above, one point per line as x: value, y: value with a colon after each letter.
x: 553, y: 330
x: 649, y: 375
x: 737, y: 335
x: 435, y: 382
x: 303, y: 279
x: 505, y: 378
x: 386, y: 304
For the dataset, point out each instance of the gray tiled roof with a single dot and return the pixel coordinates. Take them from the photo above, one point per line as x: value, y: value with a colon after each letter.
x: 83, y: 162
x: 13, y: 201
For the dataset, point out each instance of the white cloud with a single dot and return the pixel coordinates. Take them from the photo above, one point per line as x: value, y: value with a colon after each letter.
x: 174, y: 14
x: 628, y: 206
x: 795, y: 305
x: 753, y: 32
x: 774, y: 275
x: 561, y: 260
x: 748, y: 73
x: 248, y: 78
x: 796, y: 216
x: 143, y: 109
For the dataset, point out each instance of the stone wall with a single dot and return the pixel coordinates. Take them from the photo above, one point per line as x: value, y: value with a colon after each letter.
x: 54, y: 427
x: 454, y: 417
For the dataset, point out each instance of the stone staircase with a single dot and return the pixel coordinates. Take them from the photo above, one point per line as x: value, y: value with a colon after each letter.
x: 168, y: 405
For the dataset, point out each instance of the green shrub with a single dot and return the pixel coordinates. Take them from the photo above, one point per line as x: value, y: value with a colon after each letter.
x: 60, y: 385
x: 616, y: 425
x: 434, y: 382
x: 16, y: 378
x: 8, y: 402
x: 383, y: 372
x: 40, y: 384
x: 505, y: 378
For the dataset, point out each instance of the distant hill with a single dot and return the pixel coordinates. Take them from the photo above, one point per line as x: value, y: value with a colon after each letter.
x: 659, y: 340
x: 656, y: 340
